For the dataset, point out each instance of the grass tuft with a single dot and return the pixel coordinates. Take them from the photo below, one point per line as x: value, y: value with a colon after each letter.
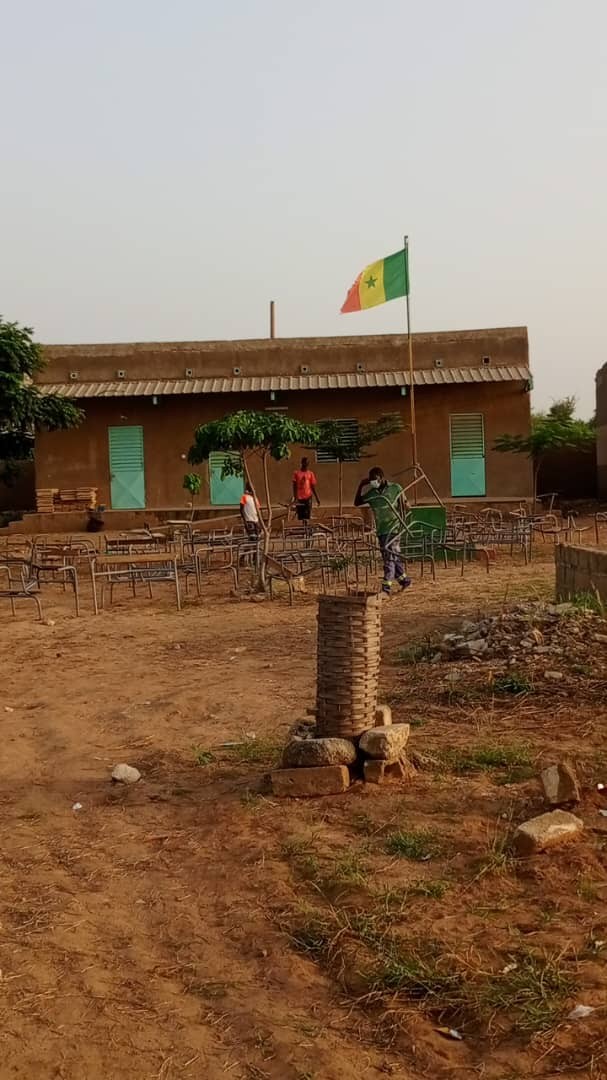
x: 203, y: 757
x: 256, y: 751
x: 423, y: 976
x: 536, y: 990
x: 588, y: 601
x: 416, y: 844
x: 512, y: 683
x: 481, y: 758
x: 434, y: 890
x: 416, y: 653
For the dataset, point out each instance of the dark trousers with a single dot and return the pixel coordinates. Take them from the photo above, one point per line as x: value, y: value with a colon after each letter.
x: 393, y: 563
x: 304, y: 509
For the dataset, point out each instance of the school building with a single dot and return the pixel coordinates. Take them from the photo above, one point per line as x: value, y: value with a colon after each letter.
x: 142, y: 403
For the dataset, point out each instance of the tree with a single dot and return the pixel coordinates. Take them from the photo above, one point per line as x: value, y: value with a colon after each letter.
x: 556, y: 429
x: 24, y: 408
x: 192, y: 482
x: 347, y: 445
x: 252, y: 436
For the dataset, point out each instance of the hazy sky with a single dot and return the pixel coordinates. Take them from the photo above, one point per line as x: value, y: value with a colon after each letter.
x: 168, y: 167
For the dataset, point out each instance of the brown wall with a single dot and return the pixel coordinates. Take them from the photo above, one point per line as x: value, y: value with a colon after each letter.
x: 80, y: 457
x: 283, y: 356
x: 580, y: 570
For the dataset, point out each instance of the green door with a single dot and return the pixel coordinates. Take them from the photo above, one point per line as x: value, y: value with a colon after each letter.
x: 225, y: 490
x: 127, y: 475
x: 467, y: 455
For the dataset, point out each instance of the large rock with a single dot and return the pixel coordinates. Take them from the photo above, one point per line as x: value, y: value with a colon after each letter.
x: 383, y: 715
x: 386, y: 743
x: 546, y: 831
x: 312, y: 753
x: 561, y: 785
x: 305, y: 783
x: 125, y: 774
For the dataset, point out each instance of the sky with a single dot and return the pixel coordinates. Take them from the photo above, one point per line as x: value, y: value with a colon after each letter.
x: 168, y: 168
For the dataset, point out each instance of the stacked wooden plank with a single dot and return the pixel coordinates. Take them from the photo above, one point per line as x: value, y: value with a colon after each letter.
x: 53, y: 500
x: 45, y: 500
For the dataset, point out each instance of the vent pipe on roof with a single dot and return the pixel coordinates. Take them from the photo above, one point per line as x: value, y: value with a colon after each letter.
x: 272, y: 318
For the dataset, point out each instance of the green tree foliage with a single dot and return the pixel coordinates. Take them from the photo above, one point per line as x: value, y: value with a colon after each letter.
x: 24, y: 409
x: 192, y: 482
x: 351, y: 446
x: 556, y: 429
x: 252, y: 435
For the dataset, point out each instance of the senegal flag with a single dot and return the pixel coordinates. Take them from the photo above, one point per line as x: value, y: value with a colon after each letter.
x: 381, y: 281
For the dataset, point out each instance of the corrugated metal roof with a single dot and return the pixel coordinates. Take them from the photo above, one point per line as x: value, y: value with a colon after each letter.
x: 243, y: 384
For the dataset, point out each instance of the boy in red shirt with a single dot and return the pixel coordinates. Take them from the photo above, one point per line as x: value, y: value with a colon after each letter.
x: 304, y: 487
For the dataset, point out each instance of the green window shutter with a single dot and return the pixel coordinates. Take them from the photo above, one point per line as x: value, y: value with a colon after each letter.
x: 127, y: 470
x: 467, y: 443
x: 225, y: 490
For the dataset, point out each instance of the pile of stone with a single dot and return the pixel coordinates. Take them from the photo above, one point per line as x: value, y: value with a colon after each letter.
x: 557, y: 826
x: 526, y: 632
x: 325, y: 766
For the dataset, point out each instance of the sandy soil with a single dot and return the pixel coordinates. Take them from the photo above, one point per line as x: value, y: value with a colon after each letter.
x: 156, y: 931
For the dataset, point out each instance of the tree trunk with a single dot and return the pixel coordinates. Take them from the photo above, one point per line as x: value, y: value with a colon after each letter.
x: 536, y: 472
x: 341, y: 487
x: 268, y: 530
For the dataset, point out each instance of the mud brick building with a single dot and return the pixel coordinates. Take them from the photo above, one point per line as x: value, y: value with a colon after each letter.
x: 143, y: 401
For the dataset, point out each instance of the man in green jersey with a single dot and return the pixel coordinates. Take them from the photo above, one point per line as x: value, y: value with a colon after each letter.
x: 389, y: 505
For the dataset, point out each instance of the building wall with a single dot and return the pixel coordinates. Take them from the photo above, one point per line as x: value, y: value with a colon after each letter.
x: 283, y: 356
x: 580, y: 570
x: 80, y: 457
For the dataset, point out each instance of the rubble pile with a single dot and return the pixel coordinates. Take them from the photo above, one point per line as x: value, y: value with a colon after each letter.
x: 528, y: 632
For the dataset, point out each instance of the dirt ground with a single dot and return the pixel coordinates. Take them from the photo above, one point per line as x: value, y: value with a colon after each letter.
x: 194, y: 926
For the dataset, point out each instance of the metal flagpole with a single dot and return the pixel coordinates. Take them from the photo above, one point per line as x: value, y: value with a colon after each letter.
x: 416, y: 470
x: 410, y: 348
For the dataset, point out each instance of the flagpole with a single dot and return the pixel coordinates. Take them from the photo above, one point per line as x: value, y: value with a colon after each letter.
x: 410, y: 349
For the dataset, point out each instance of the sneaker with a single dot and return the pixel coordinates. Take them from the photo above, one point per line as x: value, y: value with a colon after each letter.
x: 405, y: 582
x: 386, y: 590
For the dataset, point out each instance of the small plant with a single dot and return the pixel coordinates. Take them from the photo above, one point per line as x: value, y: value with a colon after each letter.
x: 426, y: 976
x: 480, y: 758
x: 364, y: 824
x: 587, y: 889
x: 392, y: 897
x: 434, y: 890
x: 192, y: 482
x: 348, y: 870
x: 416, y: 844
x: 314, y: 935
x: 517, y: 774
x: 297, y: 846
x: 588, y: 601
x: 512, y: 683
x: 535, y: 988
x: 498, y: 858
x: 416, y: 653
x: 203, y: 757
x: 255, y: 751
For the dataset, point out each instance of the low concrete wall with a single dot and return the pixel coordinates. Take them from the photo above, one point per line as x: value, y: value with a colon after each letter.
x: 580, y: 570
